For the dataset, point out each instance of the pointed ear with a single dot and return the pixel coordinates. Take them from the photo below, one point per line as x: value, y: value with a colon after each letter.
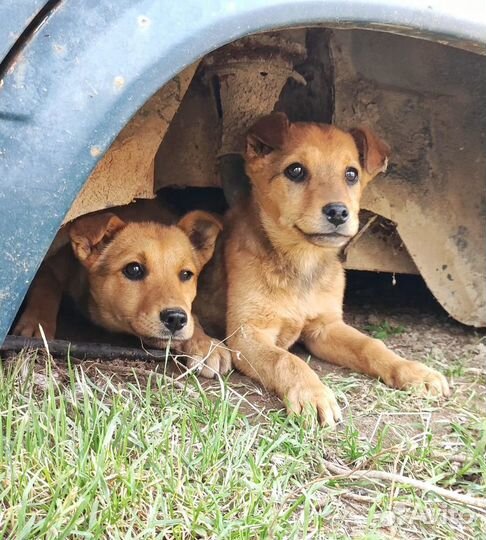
x: 89, y: 234
x: 373, y: 152
x: 203, y: 229
x: 267, y: 134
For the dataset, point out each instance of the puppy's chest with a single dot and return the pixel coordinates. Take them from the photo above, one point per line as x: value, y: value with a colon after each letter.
x: 281, y: 276
x: 295, y: 305
x: 296, y: 288
x: 293, y: 311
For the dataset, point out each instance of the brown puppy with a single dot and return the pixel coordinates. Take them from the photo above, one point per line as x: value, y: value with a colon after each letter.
x: 136, y: 278
x: 285, y: 281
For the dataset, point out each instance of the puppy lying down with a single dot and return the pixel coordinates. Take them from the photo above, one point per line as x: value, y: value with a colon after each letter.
x: 133, y: 277
x: 284, y: 279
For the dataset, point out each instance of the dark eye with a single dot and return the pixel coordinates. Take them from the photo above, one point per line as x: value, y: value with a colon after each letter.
x: 296, y: 172
x: 134, y: 271
x: 351, y: 175
x: 185, y: 275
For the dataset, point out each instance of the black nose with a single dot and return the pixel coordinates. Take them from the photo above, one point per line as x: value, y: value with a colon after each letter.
x: 174, y: 319
x: 336, y: 213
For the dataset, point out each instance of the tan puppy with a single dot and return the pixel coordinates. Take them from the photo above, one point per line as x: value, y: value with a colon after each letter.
x: 285, y: 281
x: 134, y: 278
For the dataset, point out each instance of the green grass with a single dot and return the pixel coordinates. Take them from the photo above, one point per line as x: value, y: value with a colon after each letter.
x: 92, y: 458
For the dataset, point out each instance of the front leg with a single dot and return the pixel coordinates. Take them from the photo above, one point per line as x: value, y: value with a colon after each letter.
x: 42, y: 306
x: 256, y: 354
x: 343, y: 345
x: 211, y: 355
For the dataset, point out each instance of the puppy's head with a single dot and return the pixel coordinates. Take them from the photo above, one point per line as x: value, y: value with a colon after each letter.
x: 143, y: 276
x: 308, y: 178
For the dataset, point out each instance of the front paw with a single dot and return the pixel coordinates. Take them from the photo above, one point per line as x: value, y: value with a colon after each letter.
x: 311, y: 392
x: 207, y: 357
x: 28, y: 326
x: 409, y: 374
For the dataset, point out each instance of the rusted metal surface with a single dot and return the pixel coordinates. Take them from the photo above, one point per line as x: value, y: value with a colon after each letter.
x: 126, y: 171
x: 248, y: 76
x: 311, y: 98
x: 234, y: 86
x: 378, y: 248
x: 187, y: 156
x: 429, y: 107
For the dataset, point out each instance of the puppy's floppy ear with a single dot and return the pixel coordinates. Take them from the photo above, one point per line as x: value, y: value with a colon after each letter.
x: 203, y: 229
x: 267, y: 133
x: 89, y: 234
x: 373, y: 152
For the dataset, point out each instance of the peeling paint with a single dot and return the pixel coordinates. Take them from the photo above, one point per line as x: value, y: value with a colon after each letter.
x: 118, y: 82
x: 59, y: 49
x: 143, y: 21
